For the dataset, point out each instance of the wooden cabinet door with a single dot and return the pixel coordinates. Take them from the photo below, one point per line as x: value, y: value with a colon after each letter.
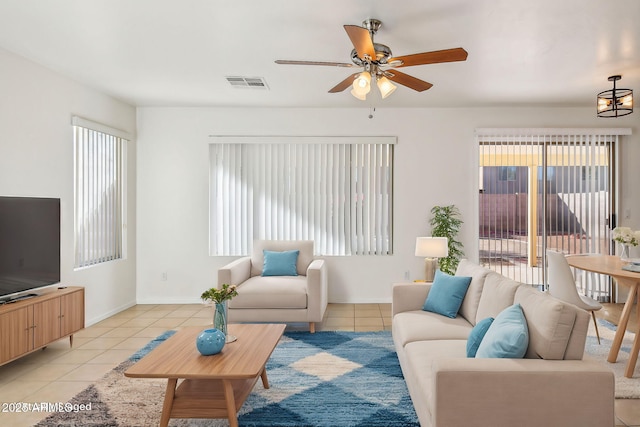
x: 46, y: 319
x: 71, y: 312
x: 15, y: 333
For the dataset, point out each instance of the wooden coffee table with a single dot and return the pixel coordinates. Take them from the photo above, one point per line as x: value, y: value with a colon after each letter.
x: 213, y: 386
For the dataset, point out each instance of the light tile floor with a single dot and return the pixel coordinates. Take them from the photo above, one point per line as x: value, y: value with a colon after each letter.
x: 59, y: 372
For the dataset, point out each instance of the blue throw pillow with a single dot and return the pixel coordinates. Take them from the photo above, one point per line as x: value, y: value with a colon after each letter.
x: 476, y: 335
x: 507, y: 337
x: 280, y: 263
x: 446, y: 294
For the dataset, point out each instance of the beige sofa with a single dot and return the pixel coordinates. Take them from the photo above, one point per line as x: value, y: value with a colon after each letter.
x: 551, y: 386
x: 285, y: 299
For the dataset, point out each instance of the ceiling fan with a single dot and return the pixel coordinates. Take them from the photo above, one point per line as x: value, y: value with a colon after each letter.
x: 379, y: 64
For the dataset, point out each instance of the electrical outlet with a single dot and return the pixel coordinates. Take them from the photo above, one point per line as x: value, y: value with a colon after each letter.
x: 406, y: 275
x: 164, y: 276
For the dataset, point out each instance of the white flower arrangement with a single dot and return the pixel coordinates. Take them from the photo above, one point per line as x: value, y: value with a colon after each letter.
x: 626, y: 235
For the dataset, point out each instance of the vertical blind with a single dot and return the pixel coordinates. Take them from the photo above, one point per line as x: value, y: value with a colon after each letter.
x: 546, y: 189
x: 99, y: 159
x: 337, y: 194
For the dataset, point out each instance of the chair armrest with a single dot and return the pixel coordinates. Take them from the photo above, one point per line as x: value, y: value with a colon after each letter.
x: 317, y: 290
x: 409, y: 296
x: 522, y: 392
x: 235, y: 272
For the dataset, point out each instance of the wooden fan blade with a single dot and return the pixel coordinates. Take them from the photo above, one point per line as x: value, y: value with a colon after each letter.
x: 407, y: 80
x: 435, y: 57
x: 329, y: 64
x: 361, y: 40
x: 344, y: 84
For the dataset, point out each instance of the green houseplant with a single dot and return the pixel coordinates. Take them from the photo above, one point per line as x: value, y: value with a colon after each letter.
x: 446, y: 222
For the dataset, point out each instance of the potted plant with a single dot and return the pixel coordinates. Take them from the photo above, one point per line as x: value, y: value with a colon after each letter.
x: 219, y: 297
x: 446, y: 222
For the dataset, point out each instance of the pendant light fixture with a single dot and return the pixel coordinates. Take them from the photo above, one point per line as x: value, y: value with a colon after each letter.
x: 615, y: 102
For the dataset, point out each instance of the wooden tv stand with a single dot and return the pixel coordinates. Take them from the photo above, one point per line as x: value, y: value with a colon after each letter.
x: 31, y: 324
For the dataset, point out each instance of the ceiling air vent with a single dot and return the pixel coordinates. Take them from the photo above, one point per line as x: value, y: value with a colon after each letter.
x: 247, y: 82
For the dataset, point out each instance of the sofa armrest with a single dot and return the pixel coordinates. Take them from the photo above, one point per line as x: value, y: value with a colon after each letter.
x: 522, y: 392
x: 316, y: 290
x: 235, y: 272
x: 408, y: 296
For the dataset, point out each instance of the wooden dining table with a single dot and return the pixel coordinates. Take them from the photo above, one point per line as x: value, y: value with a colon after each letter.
x: 612, y: 265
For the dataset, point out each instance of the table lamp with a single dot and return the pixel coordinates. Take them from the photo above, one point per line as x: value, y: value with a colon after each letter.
x: 431, y: 248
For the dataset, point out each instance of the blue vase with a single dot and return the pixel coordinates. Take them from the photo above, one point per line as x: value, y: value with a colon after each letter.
x: 210, y: 341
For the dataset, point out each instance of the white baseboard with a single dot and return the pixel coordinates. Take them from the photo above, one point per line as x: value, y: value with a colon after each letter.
x: 199, y: 301
x: 89, y: 322
x: 156, y: 300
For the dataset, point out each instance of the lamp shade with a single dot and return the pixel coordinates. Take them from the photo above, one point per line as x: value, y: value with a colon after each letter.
x: 362, y: 85
x: 385, y: 86
x: 432, y: 247
x: 360, y: 96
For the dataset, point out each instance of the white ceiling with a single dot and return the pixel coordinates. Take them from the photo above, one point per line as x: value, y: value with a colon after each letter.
x: 178, y: 53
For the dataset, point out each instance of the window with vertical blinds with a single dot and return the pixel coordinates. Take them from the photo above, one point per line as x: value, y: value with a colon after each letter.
x: 99, y: 190
x: 546, y: 189
x: 335, y: 193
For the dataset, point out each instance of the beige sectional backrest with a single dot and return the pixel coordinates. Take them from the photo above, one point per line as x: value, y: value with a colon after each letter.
x: 469, y: 307
x: 557, y: 330
x: 553, y: 325
x: 498, y: 294
x: 304, y: 258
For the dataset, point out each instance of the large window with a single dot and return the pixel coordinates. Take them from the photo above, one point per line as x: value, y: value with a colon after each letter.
x: 562, y: 196
x: 335, y: 191
x: 100, y: 165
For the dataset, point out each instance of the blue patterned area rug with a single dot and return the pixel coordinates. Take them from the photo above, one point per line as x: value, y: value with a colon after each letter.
x: 326, y: 379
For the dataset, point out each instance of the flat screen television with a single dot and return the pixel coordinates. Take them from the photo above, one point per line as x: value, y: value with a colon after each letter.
x: 29, y: 245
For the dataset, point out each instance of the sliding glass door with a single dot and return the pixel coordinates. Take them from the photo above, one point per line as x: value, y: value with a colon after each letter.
x: 545, y: 191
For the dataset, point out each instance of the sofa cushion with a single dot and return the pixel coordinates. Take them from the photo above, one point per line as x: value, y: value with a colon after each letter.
x: 420, y: 356
x: 419, y: 325
x: 469, y: 307
x: 497, y: 294
x: 280, y: 263
x: 550, y: 323
x: 507, y: 337
x: 304, y: 258
x: 477, y: 333
x: 578, y: 337
x: 271, y: 292
x: 446, y: 294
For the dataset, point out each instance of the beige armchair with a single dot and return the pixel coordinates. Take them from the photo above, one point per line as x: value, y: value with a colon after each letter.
x: 286, y: 299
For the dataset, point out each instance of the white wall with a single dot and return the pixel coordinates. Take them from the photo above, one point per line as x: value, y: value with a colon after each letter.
x: 436, y: 164
x: 36, y: 159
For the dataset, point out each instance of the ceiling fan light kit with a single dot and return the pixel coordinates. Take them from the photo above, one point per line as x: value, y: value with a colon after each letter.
x: 362, y: 85
x: 385, y: 86
x: 615, y: 102
x: 379, y: 63
x: 360, y: 96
